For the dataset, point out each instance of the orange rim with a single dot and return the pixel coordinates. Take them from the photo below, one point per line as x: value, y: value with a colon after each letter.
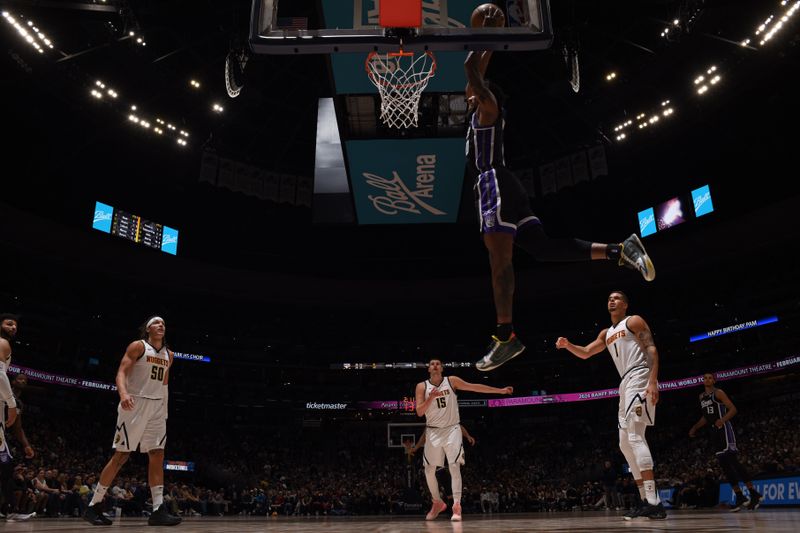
x: 383, y: 82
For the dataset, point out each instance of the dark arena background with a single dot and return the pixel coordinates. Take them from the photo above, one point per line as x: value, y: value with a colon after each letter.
x: 159, y: 158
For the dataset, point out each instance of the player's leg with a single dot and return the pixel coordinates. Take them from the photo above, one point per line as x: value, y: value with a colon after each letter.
x: 154, y: 440
x: 455, y: 459
x: 644, y: 460
x: 627, y: 450
x: 635, y: 415
x: 533, y: 239
x: 94, y: 512
x: 629, y: 253
x: 744, y: 475
x: 498, y: 237
x: 504, y: 344
x: 501, y: 250
x: 432, y: 457
x: 727, y: 460
x: 6, y: 474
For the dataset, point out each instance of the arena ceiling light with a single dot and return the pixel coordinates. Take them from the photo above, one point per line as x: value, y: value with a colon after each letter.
x: 705, y: 81
x: 611, y: 76
x: 194, y: 83
x: 217, y: 108
x: 139, y: 40
x: 774, y: 23
x: 157, y: 126
x: 29, y: 32
x: 102, y: 89
x: 624, y: 130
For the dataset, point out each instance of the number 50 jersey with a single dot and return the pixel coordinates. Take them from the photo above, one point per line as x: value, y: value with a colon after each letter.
x: 146, y: 379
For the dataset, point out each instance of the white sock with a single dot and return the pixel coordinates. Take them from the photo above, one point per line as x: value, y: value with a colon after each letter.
x: 641, y: 491
x: 99, y: 494
x: 650, y: 492
x: 157, y: 493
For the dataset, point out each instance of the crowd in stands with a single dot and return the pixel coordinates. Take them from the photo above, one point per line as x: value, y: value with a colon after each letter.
x: 348, y: 470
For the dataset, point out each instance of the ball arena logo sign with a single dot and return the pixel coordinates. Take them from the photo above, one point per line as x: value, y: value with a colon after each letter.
x: 397, y: 197
x: 409, y: 181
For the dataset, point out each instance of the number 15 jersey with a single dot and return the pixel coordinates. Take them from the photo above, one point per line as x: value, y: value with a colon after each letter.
x: 443, y: 411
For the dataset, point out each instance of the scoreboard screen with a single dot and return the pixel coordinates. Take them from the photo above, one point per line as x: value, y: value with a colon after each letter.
x: 135, y: 228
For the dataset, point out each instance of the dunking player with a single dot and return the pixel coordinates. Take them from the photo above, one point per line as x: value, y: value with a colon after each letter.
x: 436, y: 400
x: 142, y: 381
x: 634, y: 353
x: 718, y: 409
x: 8, y: 418
x: 505, y: 214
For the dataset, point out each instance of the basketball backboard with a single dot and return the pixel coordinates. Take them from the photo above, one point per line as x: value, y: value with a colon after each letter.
x: 354, y: 26
x: 399, y: 432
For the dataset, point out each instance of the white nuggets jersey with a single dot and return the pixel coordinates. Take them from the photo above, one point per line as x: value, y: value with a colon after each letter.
x: 625, y: 349
x: 146, y: 380
x: 443, y: 412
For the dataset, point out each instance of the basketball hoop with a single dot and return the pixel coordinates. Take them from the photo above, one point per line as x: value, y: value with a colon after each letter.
x: 400, y: 78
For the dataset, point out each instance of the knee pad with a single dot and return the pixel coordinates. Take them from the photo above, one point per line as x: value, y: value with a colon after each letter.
x: 627, y: 451
x: 641, y: 451
x: 624, y: 443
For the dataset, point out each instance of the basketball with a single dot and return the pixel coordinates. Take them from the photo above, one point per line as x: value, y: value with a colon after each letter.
x: 487, y: 15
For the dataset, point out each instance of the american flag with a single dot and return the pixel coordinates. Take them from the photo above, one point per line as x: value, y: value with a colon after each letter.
x: 292, y: 23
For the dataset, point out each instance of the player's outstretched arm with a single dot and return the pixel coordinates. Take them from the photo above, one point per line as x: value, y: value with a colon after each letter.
x: 420, y: 443
x: 465, y: 434
x: 460, y: 384
x: 584, y: 352
x: 478, y: 94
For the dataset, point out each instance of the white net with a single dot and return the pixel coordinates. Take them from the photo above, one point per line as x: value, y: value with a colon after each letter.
x: 400, y: 79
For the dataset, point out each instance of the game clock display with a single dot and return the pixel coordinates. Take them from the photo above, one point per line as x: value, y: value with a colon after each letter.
x: 135, y: 228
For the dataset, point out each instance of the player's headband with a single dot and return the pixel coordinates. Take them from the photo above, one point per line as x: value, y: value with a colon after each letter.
x: 150, y: 322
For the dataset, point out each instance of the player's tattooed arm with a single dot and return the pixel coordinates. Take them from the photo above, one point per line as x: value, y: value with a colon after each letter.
x: 644, y: 336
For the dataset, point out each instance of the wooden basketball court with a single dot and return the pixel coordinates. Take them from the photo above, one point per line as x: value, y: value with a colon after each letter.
x: 787, y: 520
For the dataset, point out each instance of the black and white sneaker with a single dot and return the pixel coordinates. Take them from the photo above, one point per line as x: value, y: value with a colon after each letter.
x: 94, y: 515
x: 161, y: 517
x: 634, y: 256
x: 633, y: 513
x: 740, y: 502
x: 500, y: 352
x: 653, y: 512
x: 19, y: 517
x: 755, y: 501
